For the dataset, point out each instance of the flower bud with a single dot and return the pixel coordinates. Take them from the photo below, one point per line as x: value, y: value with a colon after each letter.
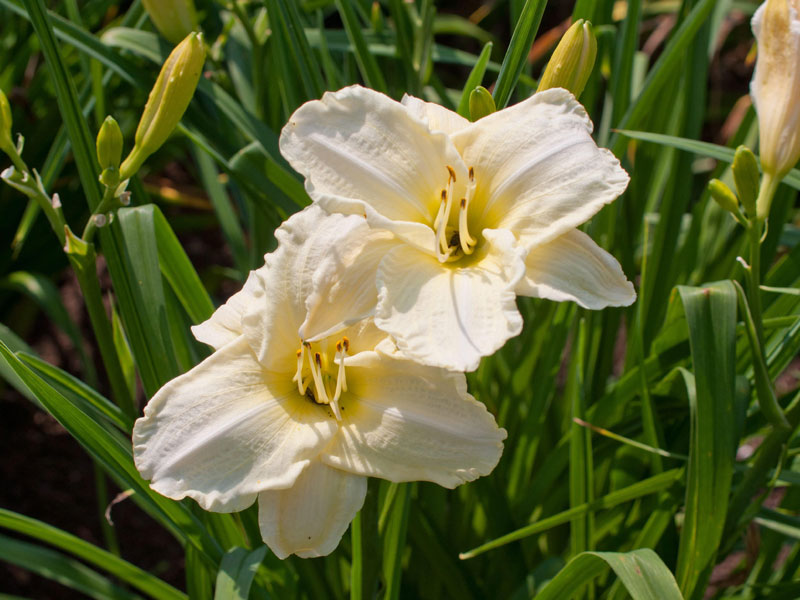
x: 174, y: 19
x: 723, y: 196
x: 109, y: 144
x: 572, y: 61
x: 481, y: 103
x: 5, y: 123
x: 747, y: 178
x: 775, y: 87
x: 168, y: 100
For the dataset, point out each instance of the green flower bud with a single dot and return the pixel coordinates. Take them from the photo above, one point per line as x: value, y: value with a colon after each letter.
x: 168, y: 100
x: 747, y: 178
x: 174, y: 19
x: 481, y: 103
x: 572, y: 61
x: 5, y: 123
x: 109, y: 144
x: 723, y: 196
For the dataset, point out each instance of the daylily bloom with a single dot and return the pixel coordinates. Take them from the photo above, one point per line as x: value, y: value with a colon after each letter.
x: 480, y: 212
x: 302, y: 399
x: 776, y: 84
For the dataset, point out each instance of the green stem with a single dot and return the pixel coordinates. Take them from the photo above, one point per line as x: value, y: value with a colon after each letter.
x: 769, y: 452
x: 106, y: 204
x: 55, y: 216
x: 766, y: 191
x: 357, y: 566
x: 109, y: 535
x: 84, y: 264
x: 754, y: 278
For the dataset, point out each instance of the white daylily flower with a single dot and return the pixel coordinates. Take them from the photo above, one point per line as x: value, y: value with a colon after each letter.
x: 775, y: 88
x: 481, y: 212
x: 297, y: 405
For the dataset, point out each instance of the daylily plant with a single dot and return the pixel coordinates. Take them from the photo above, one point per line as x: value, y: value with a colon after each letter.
x: 303, y: 398
x: 479, y: 212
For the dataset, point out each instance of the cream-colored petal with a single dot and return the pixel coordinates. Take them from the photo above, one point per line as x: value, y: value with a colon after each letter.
x: 227, y: 430
x: 307, y: 240
x: 309, y: 518
x: 225, y: 325
x: 403, y: 421
x: 573, y: 267
x: 449, y: 316
x: 343, y: 285
x: 775, y: 87
x: 436, y: 116
x: 360, y: 144
x: 537, y: 167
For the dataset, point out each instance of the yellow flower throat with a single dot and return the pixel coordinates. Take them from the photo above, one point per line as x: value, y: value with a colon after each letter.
x: 319, y: 378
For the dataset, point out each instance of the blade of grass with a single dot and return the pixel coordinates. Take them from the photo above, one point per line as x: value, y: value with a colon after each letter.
x: 517, y: 53
x: 642, y: 572
x: 125, y: 571
x: 236, y: 573
x: 367, y: 64
x: 711, y: 318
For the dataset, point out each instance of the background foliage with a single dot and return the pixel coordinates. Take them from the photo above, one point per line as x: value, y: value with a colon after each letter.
x: 629, y: 429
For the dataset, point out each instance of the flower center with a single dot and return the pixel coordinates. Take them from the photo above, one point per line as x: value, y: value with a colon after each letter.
x: 321, y: 378
x: 453, y: 241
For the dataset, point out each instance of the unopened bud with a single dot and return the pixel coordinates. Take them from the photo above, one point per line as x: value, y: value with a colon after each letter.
x: 572, y: 61
x: 168, y: 100
x: 481, y: 103
x: 724, y: 196
x: 5, y: 123
x: 174, y: 19
x: 109, y: 144
x: 747, y: 178
x: 775, y: 87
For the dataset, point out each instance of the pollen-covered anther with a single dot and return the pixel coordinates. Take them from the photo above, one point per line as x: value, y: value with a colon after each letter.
x: 465, y: 239
x: 298, y: 376
x: 440, y: 224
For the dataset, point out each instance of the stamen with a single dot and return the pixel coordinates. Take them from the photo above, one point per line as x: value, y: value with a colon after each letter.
x: 442, y: 251
x: 441, y: 210
x: 467, y: 241
x: 298, y: 376
x: 316, y: 373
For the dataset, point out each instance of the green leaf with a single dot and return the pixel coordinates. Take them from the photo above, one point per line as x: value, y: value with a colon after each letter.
x: 67, y: 98
x: 137, y: 281
x: 652, y: 485
x: 642, y: 572
x: 367, y: 64
x: 236, y: 573
x: 113, y: 452
x: 178, y: 270
x: 711, y: 318
x: 66, y: 571
x: 85, y: 397
x: 102, y: 559
x: 474, y: 80
x: 708, y: 149
x: 394, y: 540
x: 518, y: 48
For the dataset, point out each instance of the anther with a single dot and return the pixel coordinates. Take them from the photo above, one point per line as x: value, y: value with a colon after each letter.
x: 452, y: 173
x: 298, y: 376
x: 346, y: 342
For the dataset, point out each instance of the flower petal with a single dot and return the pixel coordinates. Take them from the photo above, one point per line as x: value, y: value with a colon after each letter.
x: 537, y: 167
x: 309, y: 518
x: 227, y: 430
x: 343, y: 287
x: 573, y: 267
x: 360, y: 145
x: 225, y: 325
x: 308, y: 241
x: 403, y: 421
x: 436, y: 116
x: 447, y: 316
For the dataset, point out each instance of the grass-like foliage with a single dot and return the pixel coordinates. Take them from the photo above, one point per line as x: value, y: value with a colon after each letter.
x: 651, y: 449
